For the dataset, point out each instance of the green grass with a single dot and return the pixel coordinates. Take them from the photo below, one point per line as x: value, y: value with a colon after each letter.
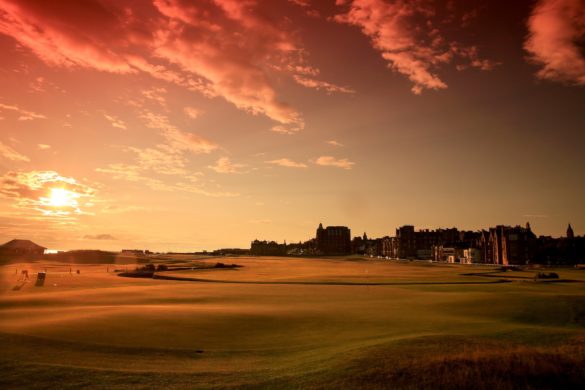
x: 97, y: 330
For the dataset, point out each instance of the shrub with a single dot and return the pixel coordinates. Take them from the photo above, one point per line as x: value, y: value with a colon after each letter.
x: 544, y: 275
x: 146, y: 268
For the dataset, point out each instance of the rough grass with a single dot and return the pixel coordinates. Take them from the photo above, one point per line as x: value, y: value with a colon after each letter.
x: 456, y: 362
x: 426, y: 363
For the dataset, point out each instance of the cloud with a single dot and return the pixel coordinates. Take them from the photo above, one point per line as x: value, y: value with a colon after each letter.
x: 321, y: 85
x: 228, y: 44
x: 409, y: 39
x: 285, y: 162
x: 218, y: 47
x: 32, y: 190
x: 123, y: 171
x: 333, y: 162
x: 10, y: 154
x: 285, y: 129
x: 224, y: 165
x: 104, y: 237
x: 175, y: 137
x: 73, y: 35
x: 115, y: 122
x: 24, y: 115
x: 44, y: 146
x: 114, y: 209
x: 556, y: 36
x: 192, y: 112
x: 169, y: 158
x: 161, y: 159
x: 535, y: 216
x: 40, y: 84
x: 134, y: 173
x: 306, y: 6
x: 335, y: 143
x: 188, y: 187
x: 156, y: 95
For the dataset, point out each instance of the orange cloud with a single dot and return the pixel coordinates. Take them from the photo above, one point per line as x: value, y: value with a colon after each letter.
x: 134, y: 173
x: 24, y: 115
x: 307, y: 7
x: 47, y: 192
x: 329, y: 161
x: 555, y: 27
x: 192, y: 112
x: 10, y: 154
x: 219, y: 47
x: 156, y: 95
x: 176, y: 138
x: 78, y: 34
x: 285, y: 162
x: 115, y: 122
x: 335, y: 143
x: 161, y: 159
x: 224, y: 165
x: 321, y: 85
x: 405, y: 35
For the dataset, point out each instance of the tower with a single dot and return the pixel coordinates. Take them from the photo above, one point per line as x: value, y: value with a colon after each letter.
x: 320, y: 238
x: 570, y: 233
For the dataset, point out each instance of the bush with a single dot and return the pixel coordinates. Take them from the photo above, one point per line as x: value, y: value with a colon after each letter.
x: 544, y: 275
x: 146, y: 268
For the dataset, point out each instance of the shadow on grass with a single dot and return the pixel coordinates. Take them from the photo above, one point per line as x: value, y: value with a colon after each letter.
x: 447, y: 362
x: 185, y: 279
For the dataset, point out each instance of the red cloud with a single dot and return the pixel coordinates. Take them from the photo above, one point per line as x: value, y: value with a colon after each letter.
x: 220, y: 47
x: 407, y: 38
x: 555, y: 27
x: 63, y: 33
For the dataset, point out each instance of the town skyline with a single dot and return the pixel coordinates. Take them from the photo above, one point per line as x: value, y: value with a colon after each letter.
x: 352, y: 236
x: 188, y: 125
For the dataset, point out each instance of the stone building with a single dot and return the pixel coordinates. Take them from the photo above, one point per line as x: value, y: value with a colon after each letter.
x: 21, y: 248
x: 267, y: 248
x: 508, y: 245
x: 411, y: 244
x: 333, y: 240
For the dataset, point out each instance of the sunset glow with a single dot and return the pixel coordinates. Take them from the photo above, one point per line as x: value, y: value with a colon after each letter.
x: 292, y: 194
x: 60, y: 197
x: 225, y: 121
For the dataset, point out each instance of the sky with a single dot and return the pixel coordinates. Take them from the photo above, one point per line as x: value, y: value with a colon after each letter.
x: 183, y: 125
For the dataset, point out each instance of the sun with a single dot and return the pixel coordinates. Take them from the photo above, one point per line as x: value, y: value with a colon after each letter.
x: 60, y: 197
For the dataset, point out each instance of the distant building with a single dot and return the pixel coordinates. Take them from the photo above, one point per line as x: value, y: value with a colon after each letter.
x: 471, y: 256
x: 570, y: 234
x: 411, y: 244
x: 21, y: 248
x: 508, y: 245
x: 134, y: 252
x: 562, y: 250
x: 333, y: 240
x: 403, y: 245
x: 267, y: 248
x: 458, y: 252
